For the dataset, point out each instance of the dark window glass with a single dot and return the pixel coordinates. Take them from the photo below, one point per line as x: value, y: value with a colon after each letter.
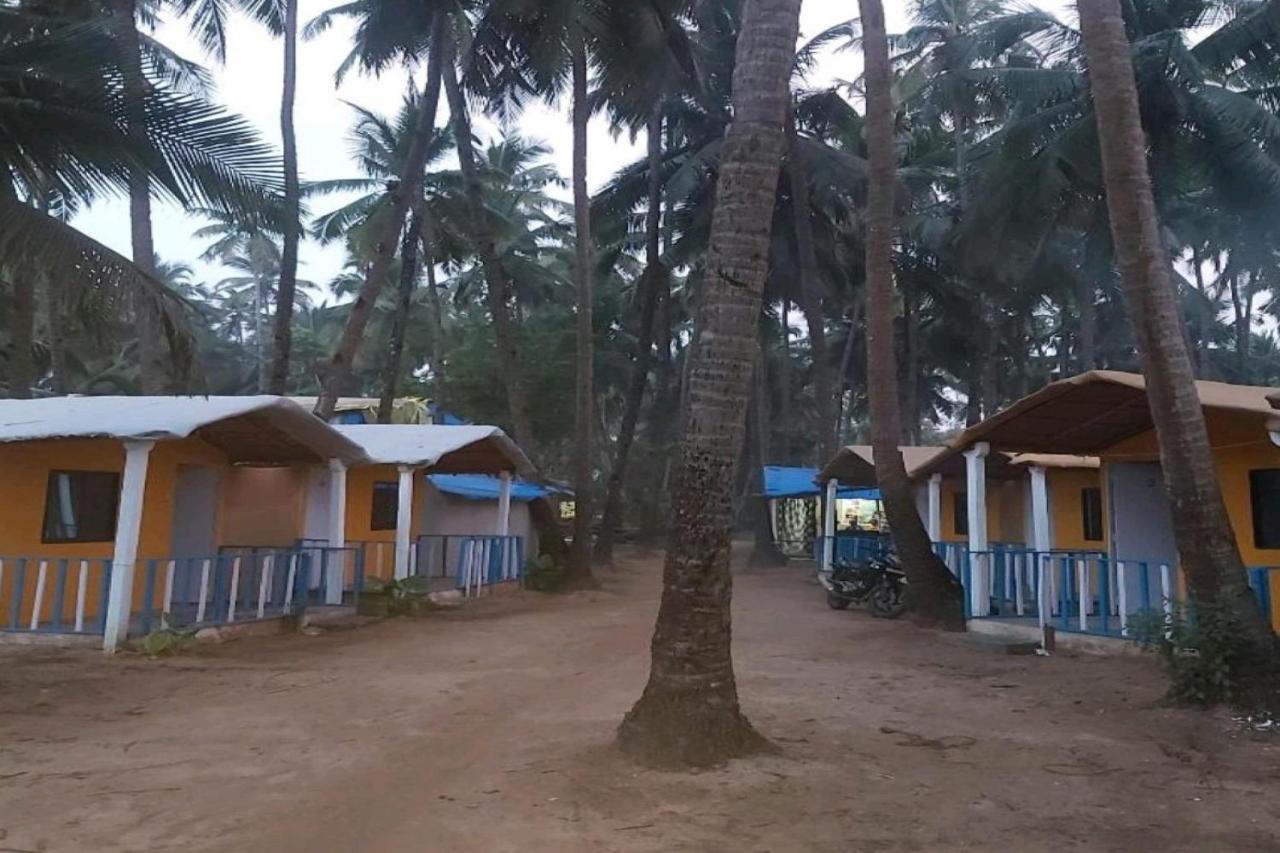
x: 386, y: 504
x: 961, y: 514
x: 1264, y: 494
x: 1091, y: 514
x: 80, y: 506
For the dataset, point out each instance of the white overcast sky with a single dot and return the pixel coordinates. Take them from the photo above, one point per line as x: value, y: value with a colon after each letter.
x: 249, y: 83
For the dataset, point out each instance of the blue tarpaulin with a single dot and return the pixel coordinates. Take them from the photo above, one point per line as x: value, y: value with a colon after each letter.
x: 781, y: 481
x: 484, y: 487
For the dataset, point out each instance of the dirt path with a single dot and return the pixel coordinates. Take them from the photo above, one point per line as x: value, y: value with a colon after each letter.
x: 489, y: 730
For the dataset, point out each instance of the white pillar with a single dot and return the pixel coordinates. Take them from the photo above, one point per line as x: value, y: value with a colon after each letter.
x: 1274, y: 431
x: 128, y: 529
x: 504, y: 504
x: 337, y: 531
x: 935, y: 507
x: 975, y: 459
x: 404, y: 520
x: 1041, y: 531
x: 829, y: 524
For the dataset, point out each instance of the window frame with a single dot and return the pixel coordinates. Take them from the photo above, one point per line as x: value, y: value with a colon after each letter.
x: 384, y: 486
x: 1085, y: 494
x: 1270, y: 542
x: 113, y: 508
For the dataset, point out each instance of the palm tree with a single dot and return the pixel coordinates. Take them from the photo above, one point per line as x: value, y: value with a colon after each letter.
x: 688, y: 713
x: 1205, y: 542
x: 935, y: 594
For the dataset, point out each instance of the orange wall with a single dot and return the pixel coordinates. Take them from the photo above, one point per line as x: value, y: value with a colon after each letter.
x: 379, y: 562
x: 1065, y: 507
x: 1005, y: 510
x: 263, y: 506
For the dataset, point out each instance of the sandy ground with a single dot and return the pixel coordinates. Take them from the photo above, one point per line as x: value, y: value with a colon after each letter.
x: 490, y: 730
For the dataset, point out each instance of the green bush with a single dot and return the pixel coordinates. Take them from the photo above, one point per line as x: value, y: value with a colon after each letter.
x: 542, y: 574
x: 164, y: 642
x: 1201, y: 650
x: 404, y: 597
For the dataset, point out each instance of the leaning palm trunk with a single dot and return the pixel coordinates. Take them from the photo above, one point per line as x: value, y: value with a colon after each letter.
x: 583, y: 475
x: 1206, y: 546
x: 400, y: 320
x: 407, y: 190
x: 651, y: 281
x: 282, y: 333
x: 811, y: 297
x: 151, y: 366
x: 935, y: 595
x: 495, y: 276
x: 688, y: 714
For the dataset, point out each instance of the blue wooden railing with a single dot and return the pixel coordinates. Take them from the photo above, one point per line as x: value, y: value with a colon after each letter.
x: 471, y: 561
x: 62, y: 595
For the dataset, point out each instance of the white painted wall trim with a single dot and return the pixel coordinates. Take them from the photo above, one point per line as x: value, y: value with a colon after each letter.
x: 128, y: 529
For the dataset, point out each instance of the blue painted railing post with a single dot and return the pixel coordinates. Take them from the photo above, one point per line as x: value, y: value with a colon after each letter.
x: 59, y: 594
x: 19, y: 592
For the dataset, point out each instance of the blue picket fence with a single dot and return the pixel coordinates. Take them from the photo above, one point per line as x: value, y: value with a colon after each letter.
x: 59, y: 595
x: 471, y: 561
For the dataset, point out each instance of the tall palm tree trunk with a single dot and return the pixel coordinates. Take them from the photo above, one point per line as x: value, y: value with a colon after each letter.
x: 282, y: 334
x: 495, y: 277
x: 400, y: 320
x: 1202, y: 530
x: 338, y: 370
x: 935, y: 595
x: 688, y: 714
x: 151, y: 367
x: 654, y: 278
x: 435, y: 307
x: 584, y: 405
x: 811, y: 297
x: 21, y: 372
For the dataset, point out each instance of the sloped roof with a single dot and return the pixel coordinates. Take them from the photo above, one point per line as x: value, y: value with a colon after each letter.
x: 262, y: 429
x: 486, y: 487
x: 444, y: 449
x: 1054, y: 460
x: 1087, y: 413
x: 854, y: 465
x: 788, y: 481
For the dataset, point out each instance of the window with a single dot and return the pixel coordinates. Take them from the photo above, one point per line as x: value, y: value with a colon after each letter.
x: 80, y: 506
x: 386, y: 504
x: 1264, y: 494
x: 961, y: 514
x: 1091, y: 514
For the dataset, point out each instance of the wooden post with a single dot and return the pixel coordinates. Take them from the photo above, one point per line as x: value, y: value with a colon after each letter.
x: 128, y: 529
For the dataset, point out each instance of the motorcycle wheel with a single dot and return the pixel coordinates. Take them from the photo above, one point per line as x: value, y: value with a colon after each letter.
x: 888, y: 601
x: 836, y: 602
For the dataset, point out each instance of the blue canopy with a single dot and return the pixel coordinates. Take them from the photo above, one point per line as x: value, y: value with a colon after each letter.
x: 484, y: 487
x: 781, y: 481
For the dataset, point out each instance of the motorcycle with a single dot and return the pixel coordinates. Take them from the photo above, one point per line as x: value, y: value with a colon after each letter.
x: 880, y: 583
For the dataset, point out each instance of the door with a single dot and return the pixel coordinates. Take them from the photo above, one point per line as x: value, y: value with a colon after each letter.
x: 1141, y: 530
x: 195, y: 518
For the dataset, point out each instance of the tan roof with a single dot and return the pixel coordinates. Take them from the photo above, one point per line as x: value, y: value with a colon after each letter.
x: 1274, y: 400
x: 1054, y: 460
x: 1087, y: 413
x: 855, y: 465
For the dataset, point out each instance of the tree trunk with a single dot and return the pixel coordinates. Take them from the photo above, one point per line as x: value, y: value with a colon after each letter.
x: 22, y: 319
x: 764, y: 553
x: 338, y: 370
x: 400, y: 321
x: 282, y: 336
x: 688, y: 714
x: 934, y: 593
x: 584, y: 471
x: 649, y: 286
x: 1206, y: 545
x: 434, y: 303
x: 151, y: 366
x: 495, y: 276
x: 811, y: 296
x: 911, y: 366
x: 1088, y: 323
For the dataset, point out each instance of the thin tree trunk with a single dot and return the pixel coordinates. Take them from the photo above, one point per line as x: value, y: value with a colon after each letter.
x: 55, y: 323
x: 584, y: 470
x: 22, y: 319
x: 785, y: 365
x: 1199, y: 344
x: 282, y: 343
x: 435, y: 313
x: 1202, y: 529
x: 649, y: 286
x: 151, y: 367
x: 495, y: 276
x: 811, y: 296
x: 765, y: 552
x: 400, y: 320
x: 338, y: 371
x: 934, y: 593
x: 1088, y: 323
x: 911, y: 367
x: 688, y: 714
x: 259, y: 345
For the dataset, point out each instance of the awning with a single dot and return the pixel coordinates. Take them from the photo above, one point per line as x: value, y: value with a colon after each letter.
x: 482, y: 487
x: 782, y: 481
x: 445, y: 449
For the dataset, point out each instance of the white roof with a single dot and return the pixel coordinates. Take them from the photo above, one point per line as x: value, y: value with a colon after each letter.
x: 159, y: 418
x: 425, y: 445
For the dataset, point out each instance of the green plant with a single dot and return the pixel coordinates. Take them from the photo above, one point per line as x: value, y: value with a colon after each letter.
x: 405, y: 596
x: 165, y: 641
x: 1202, y: 651
x: 543, y: 574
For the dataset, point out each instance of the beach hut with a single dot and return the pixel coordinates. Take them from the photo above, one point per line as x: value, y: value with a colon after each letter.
x: 125, y: 514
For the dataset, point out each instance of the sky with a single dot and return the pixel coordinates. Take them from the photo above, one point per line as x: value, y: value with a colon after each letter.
x: 249, y: 83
